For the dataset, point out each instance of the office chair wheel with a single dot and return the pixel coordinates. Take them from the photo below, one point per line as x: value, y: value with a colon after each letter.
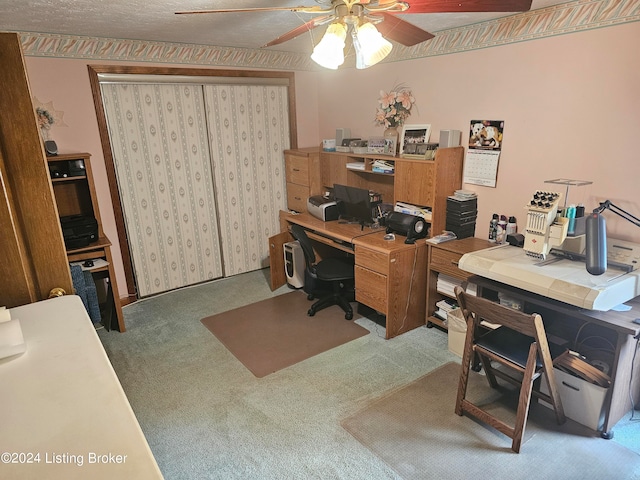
x: 310, y: 297
x: 311, y: 312
x: 348, y: 316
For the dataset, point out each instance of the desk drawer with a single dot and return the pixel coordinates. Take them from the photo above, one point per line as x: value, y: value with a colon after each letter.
x: 297, y: 169
x: 373, y: 260
x: 297, y: 196
x: 371, y: 289
x: 447, y: 262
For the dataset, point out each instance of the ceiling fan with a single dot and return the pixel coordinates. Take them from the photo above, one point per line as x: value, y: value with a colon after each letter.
x: 356, y: 14
x: 382, y: 13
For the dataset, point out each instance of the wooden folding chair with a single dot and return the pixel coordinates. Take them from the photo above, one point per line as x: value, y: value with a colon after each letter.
x: 520, y: 344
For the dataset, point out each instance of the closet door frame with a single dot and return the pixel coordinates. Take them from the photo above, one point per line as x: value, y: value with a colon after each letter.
x: 242, y: 76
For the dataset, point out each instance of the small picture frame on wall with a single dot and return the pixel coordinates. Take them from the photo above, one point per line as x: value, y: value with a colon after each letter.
x: 414, y: 135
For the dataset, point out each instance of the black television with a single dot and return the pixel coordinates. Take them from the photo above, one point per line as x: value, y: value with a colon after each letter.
x: 354, y: 204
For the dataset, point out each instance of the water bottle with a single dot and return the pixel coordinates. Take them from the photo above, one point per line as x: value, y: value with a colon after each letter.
x: 571, y: 215
x: 512, y: 227
x: 501, y: 230
x: 493, y: 227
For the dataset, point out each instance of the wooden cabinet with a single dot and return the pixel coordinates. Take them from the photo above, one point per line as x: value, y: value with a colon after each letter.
x: 389, y: 277
x: 443, y: 259
x: 426, y: 183
x: 31, y: 245
x: 303, y: 177
x: 74, y: 191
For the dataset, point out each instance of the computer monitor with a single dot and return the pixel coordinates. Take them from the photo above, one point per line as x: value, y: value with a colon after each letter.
x: 354, y: 204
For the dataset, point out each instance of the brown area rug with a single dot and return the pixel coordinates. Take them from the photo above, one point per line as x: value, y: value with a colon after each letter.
x: 276, y: 333
x: 416, y: 432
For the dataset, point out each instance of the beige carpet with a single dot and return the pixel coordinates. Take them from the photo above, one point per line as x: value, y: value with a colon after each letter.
x: 276, y: 333
x: 417, y: 433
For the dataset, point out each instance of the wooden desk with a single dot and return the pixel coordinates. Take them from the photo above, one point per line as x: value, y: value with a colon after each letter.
x: 575, y: 323
x: 62, y: 401
x: 443, y: 259
x: 390, y: 276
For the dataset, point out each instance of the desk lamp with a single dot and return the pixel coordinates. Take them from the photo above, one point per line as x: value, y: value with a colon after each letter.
x: 596, y: 236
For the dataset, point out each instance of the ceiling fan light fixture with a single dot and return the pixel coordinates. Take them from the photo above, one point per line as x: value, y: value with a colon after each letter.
x: 371, y: 47
x: 329, y: 53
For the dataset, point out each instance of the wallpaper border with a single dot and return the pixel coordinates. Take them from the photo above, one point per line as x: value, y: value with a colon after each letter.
x: 571, y: 17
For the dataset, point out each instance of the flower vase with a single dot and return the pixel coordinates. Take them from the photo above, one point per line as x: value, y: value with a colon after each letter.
x: 44, y: 133
x: 391, y: 140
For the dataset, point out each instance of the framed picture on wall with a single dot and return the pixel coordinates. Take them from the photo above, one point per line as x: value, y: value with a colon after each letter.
x: 414, y: 135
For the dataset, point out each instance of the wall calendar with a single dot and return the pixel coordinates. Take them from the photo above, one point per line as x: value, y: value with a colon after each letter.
x: 485, y: 143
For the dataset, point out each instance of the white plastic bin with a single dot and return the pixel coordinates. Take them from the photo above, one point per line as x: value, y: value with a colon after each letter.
x: 582, y: 401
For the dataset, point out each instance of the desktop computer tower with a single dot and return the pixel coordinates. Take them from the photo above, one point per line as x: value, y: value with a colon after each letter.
x: 294, y: 264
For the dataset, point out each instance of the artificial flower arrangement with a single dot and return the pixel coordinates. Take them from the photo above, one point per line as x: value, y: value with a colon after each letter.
x: 394, y: 107
x: 45, y: 119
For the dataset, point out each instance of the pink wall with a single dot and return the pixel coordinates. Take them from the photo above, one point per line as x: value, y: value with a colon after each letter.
x: 571, y: 107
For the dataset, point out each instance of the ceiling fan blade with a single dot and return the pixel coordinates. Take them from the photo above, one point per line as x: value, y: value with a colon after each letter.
x: 402, y: 32
x: 303, y: 9
x: 458, y: 6
x: 305, y: 27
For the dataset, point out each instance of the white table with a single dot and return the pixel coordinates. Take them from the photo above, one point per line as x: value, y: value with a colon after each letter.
x: 63, y: 413
x: 562, y: 280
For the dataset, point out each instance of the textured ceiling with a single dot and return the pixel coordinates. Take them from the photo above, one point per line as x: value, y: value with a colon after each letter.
x: 156, y: 21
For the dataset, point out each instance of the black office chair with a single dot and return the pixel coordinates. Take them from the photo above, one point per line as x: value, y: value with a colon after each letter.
x: 335, y: 273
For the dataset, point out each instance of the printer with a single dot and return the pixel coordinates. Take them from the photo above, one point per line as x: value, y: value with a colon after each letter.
x: 323, y: 208
x: 79, y: 230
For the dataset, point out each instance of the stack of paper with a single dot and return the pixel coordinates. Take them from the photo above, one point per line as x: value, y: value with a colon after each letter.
x: 424, y: 212
x: 444, y: 307
x: 446, y: 285
x: 382, y: 166
x: 355, y: 166
x: 464, y: 195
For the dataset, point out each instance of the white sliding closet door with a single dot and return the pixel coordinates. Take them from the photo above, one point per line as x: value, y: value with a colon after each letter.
x: 248, y: 132
x: 160, y: 147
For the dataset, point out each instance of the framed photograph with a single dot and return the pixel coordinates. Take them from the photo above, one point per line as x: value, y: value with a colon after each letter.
x: 390, y: 145
x: 414, y: 135
x: 376, y: 145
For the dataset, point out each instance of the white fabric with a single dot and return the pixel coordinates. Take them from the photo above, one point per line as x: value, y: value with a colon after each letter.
x: 62, y: 407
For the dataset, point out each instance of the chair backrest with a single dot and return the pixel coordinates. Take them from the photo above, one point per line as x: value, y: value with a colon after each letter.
x: 476, y: 309
x: 301, y: 236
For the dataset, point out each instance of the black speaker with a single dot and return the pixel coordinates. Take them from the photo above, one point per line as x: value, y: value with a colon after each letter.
x: 410, y: 226
x: 50, y: 147
x: 596, y: 240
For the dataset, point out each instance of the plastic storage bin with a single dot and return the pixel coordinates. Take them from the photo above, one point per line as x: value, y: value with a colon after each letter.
x: 582, y: 401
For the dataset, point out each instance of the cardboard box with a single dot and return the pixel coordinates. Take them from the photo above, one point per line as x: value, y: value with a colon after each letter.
x: 582, y: 401
x: 457, y: 331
